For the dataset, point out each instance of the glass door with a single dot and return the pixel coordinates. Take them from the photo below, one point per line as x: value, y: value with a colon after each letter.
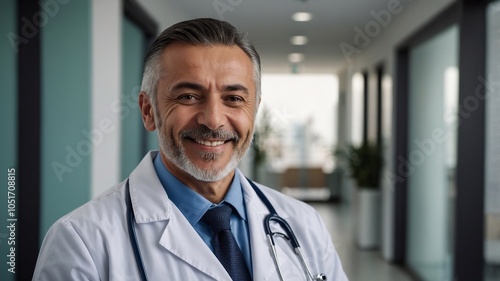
x: 133, y: 42
x: 492, y: 177
x: 431, y: 159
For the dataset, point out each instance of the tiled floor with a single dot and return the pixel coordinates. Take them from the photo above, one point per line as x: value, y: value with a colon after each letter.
x: 358, y: 265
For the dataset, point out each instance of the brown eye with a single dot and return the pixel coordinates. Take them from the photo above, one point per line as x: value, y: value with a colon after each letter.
x: 186, y: 97
x: 234, y: 99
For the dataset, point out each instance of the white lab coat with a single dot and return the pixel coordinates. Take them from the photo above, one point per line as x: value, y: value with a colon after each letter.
x: 92, y: 242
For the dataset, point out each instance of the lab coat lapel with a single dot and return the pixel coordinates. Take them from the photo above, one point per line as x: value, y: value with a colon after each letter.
x: 151, y: 204
x: 180, y: 239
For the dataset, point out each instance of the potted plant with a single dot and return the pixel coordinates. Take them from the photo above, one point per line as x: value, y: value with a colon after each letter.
x: 364, y: 163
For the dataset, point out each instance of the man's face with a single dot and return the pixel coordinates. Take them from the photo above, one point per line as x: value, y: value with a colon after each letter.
x: 206, y: 105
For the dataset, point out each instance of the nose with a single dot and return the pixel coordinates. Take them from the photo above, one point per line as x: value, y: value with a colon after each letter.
x: 212, y: 113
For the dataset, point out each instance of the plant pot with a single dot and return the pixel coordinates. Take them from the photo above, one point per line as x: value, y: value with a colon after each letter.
x: 368, y: 218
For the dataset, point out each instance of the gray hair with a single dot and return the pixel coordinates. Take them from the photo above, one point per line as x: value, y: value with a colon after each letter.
x: 204, y: 31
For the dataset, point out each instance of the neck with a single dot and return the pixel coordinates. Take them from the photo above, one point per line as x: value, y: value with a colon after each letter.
x: 212, y: 191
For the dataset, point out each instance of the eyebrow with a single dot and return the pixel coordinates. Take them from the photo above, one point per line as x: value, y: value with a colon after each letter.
x: 188, y: 85
x: 235, y: 87
x: 199, y: 87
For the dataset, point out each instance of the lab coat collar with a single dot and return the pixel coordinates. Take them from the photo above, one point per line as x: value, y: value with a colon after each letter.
x: 149, y: 199
x: 151, y: 204
x: 182, y: 240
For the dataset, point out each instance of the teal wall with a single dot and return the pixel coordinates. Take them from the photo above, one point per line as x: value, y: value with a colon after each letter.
x: 66, y: 112
x: 8, y: 121
x: 132, y: 128
x: 152, y: 143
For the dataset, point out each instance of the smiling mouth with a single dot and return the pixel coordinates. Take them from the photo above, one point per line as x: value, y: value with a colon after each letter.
x: 209, y: 138
x: 210, y: 143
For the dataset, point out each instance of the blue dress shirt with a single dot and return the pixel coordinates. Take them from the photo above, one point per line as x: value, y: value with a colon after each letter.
x: 193, y: 206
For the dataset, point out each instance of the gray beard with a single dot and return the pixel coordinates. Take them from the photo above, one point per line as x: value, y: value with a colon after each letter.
x: 177, y: 155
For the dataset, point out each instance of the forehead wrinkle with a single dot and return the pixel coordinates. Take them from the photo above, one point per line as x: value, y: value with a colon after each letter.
x: 200, y: 68
x: 188, y: 85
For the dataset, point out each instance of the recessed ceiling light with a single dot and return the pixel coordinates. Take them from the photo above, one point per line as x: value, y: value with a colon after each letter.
x: 298, y: 40
x: 302, y: 16
x: 295, y: 57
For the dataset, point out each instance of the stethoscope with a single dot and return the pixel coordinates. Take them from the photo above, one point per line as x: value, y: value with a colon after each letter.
x: 271, y: 217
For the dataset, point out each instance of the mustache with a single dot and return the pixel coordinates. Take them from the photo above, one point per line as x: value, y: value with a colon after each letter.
x: 204, y: 132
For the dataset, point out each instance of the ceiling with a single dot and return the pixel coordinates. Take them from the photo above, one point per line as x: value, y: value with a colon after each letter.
x: 270, y: 26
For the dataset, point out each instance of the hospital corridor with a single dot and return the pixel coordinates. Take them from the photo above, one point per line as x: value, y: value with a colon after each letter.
x: 383, y: 115
x: 358, y: 264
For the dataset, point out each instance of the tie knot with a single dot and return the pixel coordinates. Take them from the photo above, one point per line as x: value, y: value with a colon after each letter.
x: 217, y: 218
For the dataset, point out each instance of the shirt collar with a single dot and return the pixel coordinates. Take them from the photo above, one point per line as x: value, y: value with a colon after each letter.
x: 191, y: 204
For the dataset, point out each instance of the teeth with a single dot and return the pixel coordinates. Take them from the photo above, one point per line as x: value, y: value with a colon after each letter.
x: 210, y: 143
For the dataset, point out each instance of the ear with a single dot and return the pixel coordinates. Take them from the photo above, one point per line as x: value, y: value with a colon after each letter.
x: 148, y: 116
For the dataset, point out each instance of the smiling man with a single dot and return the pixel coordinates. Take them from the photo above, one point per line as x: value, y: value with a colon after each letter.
x: 186, y: 212
x: 204, y: 114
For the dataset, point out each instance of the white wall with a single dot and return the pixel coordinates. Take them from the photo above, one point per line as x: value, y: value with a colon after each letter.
x: 106, y: 87
x: 381, y: 48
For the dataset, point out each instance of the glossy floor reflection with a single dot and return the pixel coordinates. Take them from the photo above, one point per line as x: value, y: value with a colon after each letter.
x: 358, y: 265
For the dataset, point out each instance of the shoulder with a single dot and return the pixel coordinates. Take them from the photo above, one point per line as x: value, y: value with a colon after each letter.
x: 91, y: 221
x: 286, y: 205
x: 83, y: 236
x: 104, y: 210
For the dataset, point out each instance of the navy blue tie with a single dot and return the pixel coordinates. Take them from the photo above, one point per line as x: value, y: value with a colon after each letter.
x: 225, y: 247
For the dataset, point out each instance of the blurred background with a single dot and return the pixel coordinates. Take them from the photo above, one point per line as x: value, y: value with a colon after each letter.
x: 384, y: 115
